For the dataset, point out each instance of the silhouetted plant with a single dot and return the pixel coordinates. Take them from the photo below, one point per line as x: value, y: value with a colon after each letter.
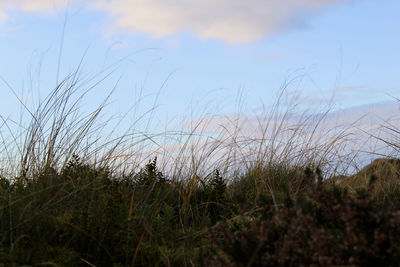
x: 216, y: 197
x: 217, y: 187
x: 150, y: 174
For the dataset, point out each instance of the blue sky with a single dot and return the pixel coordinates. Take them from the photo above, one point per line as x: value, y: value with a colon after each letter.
x: 209, y: 52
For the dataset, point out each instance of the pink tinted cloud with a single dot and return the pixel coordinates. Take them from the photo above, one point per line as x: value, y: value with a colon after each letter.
x: 231, y: 21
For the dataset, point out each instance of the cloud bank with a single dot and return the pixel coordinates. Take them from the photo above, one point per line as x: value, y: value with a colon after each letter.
x: 230, y: 21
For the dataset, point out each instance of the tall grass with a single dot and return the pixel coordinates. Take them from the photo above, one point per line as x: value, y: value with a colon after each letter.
x: 76, y: 191
x: 56, y: 129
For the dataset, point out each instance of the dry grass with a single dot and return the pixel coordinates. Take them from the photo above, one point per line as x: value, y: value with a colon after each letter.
x: 74, y: 185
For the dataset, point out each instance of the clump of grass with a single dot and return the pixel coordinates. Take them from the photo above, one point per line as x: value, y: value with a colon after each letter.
x: 76, y: 195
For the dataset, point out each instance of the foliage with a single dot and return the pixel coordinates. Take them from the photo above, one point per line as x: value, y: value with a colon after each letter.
x: 70, y: 199
x: 329, y: 227
x: 83, y: 215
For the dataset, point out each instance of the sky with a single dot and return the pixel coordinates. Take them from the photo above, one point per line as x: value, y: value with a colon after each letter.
x: 197, y: 58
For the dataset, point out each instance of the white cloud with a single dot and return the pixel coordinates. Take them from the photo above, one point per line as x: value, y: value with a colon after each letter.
x: 354, y: 132
x: 32, y: 5
x: 232, y: 21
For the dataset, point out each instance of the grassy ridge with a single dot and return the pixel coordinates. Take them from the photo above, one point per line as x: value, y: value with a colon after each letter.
x: 69, y: 197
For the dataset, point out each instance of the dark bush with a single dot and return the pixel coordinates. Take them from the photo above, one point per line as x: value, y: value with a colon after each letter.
x: 324, y: 227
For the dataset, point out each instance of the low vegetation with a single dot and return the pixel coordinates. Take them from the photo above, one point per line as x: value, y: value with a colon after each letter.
x: 84, y: 216
x: 70, y: 202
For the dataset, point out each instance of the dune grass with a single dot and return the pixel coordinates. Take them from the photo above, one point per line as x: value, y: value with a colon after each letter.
x: 264, y: 190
